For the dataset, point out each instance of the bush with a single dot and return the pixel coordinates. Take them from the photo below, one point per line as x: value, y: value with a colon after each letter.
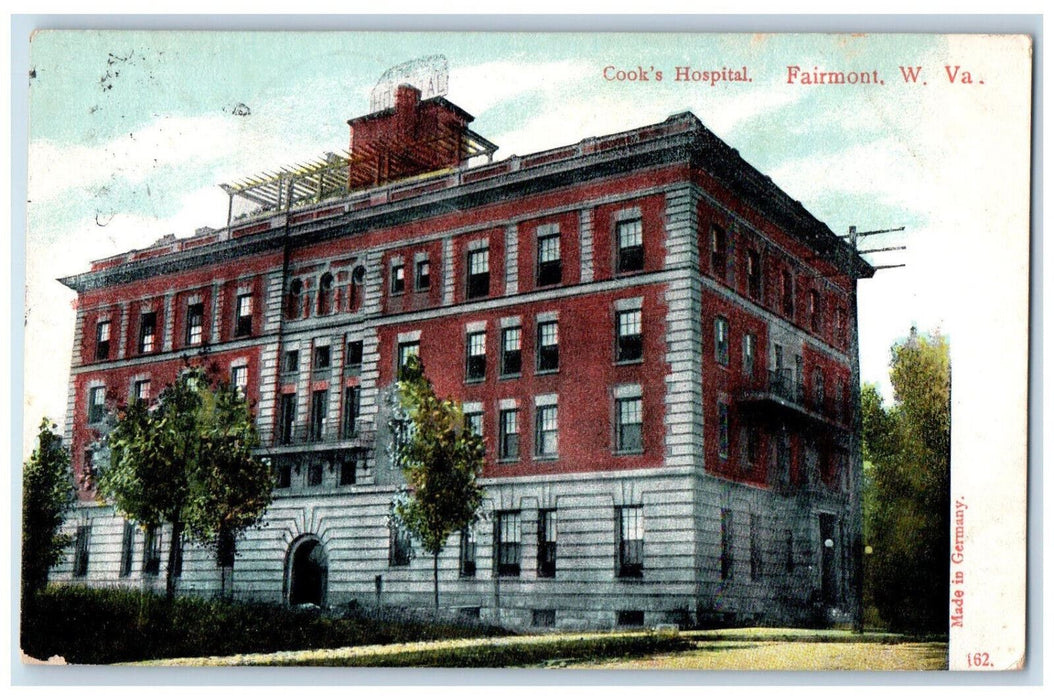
x: 102, y: 626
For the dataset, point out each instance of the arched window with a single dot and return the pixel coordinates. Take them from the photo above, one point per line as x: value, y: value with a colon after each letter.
x: 292, y: 309
x: 325, y: 294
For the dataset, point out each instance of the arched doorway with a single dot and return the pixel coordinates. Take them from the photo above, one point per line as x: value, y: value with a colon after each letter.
x: 307, y: 571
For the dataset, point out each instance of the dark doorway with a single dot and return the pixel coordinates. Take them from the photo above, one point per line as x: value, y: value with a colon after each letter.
x: 307, y: 572
x: 828, y: 545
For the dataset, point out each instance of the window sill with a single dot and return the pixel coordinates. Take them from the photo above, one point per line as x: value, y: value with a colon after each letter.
x: 543, y: 372
x: 546, y: 458
x: 475, y: 380
x: 508, y: 460
x: 630, y: 577
x: 637, y: 361
x: 509, y: 376
x: 627, y: 453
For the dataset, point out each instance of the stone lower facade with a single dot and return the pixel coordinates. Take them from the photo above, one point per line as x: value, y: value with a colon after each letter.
x: 711, y: 552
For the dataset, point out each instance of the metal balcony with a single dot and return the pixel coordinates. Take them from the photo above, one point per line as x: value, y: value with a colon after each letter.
x: 302, y: 438
x: 777, y: 390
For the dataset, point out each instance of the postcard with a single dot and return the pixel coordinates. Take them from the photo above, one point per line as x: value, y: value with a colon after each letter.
x: 605, y: 350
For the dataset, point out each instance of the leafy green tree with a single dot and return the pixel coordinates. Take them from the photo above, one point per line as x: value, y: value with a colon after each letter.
x: 907, y: 453
x: 441, y: 459
x: 47, y: 494
x: 188, y: 461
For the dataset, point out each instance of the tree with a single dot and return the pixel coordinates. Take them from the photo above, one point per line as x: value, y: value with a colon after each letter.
x: 441, y: 459
x: 907, y: 453
x: 47, y: 494
x: 188, y: 461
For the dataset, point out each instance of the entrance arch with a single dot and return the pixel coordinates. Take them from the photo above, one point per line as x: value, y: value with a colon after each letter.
x: 306, y: 571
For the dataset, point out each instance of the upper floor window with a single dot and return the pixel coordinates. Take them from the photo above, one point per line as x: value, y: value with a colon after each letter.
x: 629, y: 424
x: 293, y: 307
x: 476, y: 356
x: 753, y: 274
x: 319, y: 404
x: 291, y: 361
x: 545, y: 431
x: 147, y: 332
x: 750, y: 349
x: 325, y: 294
x: 240, y: 379
x: 286, y: 418
x: 629, y: 345
x: 507, y: 543
x: 474, y: 421
x: 548, y: 347
x: 721, y: 341
x: 348, y: 466
x: 752, y: 451
x: 815, y: 311
x: 244, y: 322
x: 630, y: 540
x: 718, y: 252
x: 546, y: 543
x: 321, y: 359
x: 96, y: 404
x: 478, y: 273
x: 353, y: 357
x: 508, y: 433
x: 102, y: 340
x: 787, y: 298
x: 352, y: 398
x: 195, y: 324
x: 398, y: 284
x: 422, y: 276
x: 549, y: 270
x: 629, y: 234
x: 405, y: 351
x: 511, y: 361
x: 724, y: 430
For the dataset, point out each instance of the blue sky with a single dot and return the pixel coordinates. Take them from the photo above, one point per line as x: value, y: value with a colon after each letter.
x: 132, y: 132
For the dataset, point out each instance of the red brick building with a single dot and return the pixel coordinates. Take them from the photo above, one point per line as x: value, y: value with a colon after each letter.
x: 656, y: 342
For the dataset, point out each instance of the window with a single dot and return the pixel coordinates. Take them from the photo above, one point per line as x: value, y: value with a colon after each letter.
x: 474, y: 422
x: 321, y: 357
x: 244, y: 323
x: 325, y: 294
x: 753, y: 274
x: 348, y: 466
x: 96, y: 404
x: 511, y: 360
x: 788, y: 294
x: 755, y: 548
x: 290, y: 361
x: 285, y: 474
x: 80, y: 554
x: 314, y: 472
x: 476, y: 356
x: 548, y: 347
x: 723, y: 429
x: 629, y: 234
x: 546, y: 543
x: 752, y: 451
x: 102, y: 340
x: 406, y: 350
x: 630, y: 540
x: 294, y: 303
x: 750, y: 348
x: 89, y: 464
x: 726, y: 544
x: 352, y: 397
x: 398, y: 277
x: 509, y: 434
x: 240, y: 379
x: 543, y: 617
x: 721, y: 341
x: 507, y: 543
x: 545, y: 431
x: 195, y: 324
x: 423, y: 276
x: 549, y: 271
x: 141, y: 390
x: 318, y: 414
x: 177, y: 558
x: 147, y: 332
x: 478, y: 273
x: 818, y: 393
x: 718, y: 252
x: 467, y: 555
x: 152, y: 551
x: 127, y: 548
x: 286, y: 418
x: 629, y: 345
x: 815, y: 311
x: 400, y: 546
x: 629, y: 425
x: 353, y: 357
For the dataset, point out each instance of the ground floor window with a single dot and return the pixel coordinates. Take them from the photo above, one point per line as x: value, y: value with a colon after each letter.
x: 507, y: 543
x: 630, y: 540
x: 80, y: 554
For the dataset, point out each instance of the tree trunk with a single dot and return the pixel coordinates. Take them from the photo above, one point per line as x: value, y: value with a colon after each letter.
x: 435, y: 578
x: 174, y: 556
